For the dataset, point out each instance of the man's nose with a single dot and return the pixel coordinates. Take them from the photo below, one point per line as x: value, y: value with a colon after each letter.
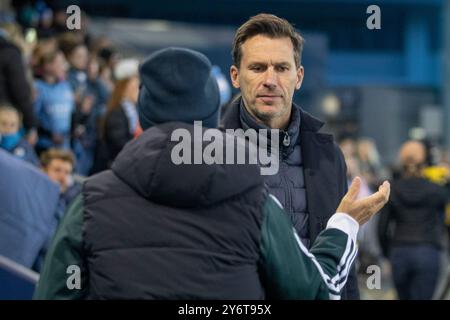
x: 270, y: 78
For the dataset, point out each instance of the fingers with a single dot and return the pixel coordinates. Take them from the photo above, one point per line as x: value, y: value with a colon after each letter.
x: 387, y: 185
x: 353, y: 191
x: 374, y: 203
x: 381, y: 196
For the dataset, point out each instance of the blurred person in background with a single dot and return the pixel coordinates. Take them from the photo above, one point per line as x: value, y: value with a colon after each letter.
x: 58, y: 165
x: 11, y: 138
x: 87, y: 118
x: 25, y: 40
x: 369, y: 161
x: 78, y: 57
x: 54, y: 103
x: 59, y: 18
x: 44, y: 46
x: 15, y: 89
x: 121, y: 122
x: 83, y: 143
x: 108, y: 59
x: 369, y: 249
x: 45, y: 25
x: 411, y: 226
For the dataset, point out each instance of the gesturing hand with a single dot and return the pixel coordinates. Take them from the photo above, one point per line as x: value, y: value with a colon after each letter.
x: 362, y: 210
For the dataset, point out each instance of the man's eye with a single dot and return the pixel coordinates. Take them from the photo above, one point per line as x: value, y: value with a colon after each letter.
x: 282, y: 68
x: 256, y: 68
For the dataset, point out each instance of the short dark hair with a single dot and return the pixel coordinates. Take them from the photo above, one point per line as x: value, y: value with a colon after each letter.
x: 48, y: 156
x: 268, y: 25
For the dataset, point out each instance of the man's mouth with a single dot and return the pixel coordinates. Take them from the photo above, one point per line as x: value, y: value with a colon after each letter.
x: 268, y: 98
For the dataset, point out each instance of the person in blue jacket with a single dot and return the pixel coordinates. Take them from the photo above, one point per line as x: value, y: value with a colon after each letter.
x: 54, y: 104
x: 28, y: 211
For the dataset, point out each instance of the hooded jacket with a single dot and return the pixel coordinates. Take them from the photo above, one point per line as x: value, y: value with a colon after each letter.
x: 415, y: 212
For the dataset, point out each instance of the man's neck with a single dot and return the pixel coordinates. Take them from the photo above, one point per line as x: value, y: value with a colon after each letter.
x: 281, y: 123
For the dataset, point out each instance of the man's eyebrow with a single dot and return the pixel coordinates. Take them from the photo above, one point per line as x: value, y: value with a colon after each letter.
x: 283, y: 63
x: 252, y: 63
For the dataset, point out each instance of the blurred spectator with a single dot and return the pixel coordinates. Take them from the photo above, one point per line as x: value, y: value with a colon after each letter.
x: 45, y: 24
x: 11, y: 138
x: 26, y: 42
x: 60, y: 19
x: 347, y: 143
x: 93, y: 96
x: 121, y: 121
x: 78, y: 57
x: 369, y: 249
x: 58, y: 165
x: 414, y: 216
x: 28, y: 218
x: 44, y: 46
x: 14, y: 87
x: 369, y: 161
x: 108, y: 58
x: 54, y: 103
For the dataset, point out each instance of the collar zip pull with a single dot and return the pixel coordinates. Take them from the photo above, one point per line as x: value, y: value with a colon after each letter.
x: 286, y: 139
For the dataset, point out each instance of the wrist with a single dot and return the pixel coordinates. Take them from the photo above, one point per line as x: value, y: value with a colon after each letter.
x: 345, y: 223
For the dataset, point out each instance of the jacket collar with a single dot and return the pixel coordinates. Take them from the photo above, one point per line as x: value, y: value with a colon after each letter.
x: 231, y: 118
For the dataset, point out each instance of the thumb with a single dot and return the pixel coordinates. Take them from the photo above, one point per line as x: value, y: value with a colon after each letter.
x: 353, y: 191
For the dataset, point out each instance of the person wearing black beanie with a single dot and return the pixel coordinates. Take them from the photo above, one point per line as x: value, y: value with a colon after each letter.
x: 178, y: 85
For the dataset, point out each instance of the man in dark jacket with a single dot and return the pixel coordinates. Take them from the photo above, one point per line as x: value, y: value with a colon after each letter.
x: 150, y: 228
x: 312, y: 174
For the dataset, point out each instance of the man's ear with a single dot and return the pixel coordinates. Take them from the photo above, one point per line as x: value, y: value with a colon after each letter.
x: 300, y: 75
x: 234, y: 75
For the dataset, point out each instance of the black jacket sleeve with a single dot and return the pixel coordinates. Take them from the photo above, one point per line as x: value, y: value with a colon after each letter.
x: 18, y: 86
x: 117, y: 132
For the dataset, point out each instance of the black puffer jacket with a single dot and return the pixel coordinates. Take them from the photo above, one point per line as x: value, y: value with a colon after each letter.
x: 413, y: 215
x: 205, y: 218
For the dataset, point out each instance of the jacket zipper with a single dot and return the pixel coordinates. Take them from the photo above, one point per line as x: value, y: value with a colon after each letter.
x: 286, y: 143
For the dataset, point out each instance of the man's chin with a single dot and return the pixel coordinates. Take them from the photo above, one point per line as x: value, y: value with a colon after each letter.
x: 267, y: 111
